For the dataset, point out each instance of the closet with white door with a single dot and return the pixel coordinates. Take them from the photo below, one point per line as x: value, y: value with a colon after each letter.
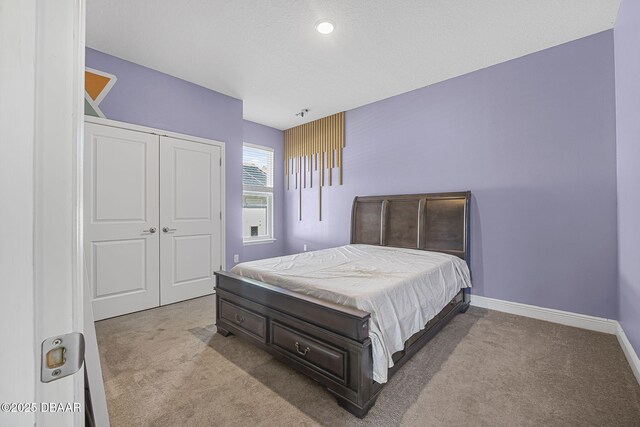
x: 153, y: 230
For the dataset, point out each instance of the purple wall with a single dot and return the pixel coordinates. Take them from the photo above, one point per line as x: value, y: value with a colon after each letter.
x: 627, y: 62
x: 149, y: 98
x: 255, y: 133
x: 533, y: 139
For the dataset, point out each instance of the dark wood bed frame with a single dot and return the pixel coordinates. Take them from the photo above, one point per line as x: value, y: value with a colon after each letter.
x: 330, y: 342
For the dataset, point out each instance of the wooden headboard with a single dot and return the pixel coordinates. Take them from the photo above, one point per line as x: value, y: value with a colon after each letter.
x: 431, y: 222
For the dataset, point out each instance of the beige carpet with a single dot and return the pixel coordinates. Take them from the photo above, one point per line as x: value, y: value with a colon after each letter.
x: 167, y: 367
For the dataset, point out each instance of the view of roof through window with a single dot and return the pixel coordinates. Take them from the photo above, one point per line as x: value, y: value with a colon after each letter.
x: 257, y: 166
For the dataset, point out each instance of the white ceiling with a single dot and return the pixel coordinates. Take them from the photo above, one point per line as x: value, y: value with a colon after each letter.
x: 268, y: 53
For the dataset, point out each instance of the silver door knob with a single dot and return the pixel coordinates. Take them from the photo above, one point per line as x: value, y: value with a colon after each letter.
x: 167, y: 229
x: 151, y: 230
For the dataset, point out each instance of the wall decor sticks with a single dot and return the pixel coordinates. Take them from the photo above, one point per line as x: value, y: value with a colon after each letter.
x: 314, y: 146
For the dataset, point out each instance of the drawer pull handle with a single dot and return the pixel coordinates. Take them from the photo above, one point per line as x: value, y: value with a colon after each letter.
x: 239, y: 318
x: 306, y: 349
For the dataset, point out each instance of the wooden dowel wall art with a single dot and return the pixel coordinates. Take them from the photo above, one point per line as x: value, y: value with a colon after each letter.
x: 314, y: 146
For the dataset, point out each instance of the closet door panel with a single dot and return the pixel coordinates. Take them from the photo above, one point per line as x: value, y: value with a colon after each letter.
x: 190, y: 210
x: 121, y: 217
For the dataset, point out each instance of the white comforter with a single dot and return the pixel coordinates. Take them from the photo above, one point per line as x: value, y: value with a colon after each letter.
x: 402, y: 288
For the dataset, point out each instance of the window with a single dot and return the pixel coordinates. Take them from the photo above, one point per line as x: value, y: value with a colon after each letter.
x: 257, y: 195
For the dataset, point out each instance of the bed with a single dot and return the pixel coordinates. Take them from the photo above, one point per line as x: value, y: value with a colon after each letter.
x: 350, y: 317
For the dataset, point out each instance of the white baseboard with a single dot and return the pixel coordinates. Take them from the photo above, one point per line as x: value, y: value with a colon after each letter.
x: 583, y: 321
x: 598, y: 324
x: 632, y: 357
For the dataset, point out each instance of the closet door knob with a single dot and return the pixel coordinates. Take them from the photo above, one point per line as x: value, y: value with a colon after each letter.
x: 151, y: 230
x: 167, y: 229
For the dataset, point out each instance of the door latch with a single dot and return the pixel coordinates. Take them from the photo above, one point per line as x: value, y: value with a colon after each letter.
x: 62, y: 355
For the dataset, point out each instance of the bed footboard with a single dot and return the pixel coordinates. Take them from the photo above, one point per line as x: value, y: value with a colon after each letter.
x: 327, y: 342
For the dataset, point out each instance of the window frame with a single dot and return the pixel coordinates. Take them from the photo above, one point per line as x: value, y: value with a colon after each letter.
x: 260, y: 191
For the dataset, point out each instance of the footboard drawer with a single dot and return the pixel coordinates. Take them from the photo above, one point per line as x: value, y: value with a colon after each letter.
x: 245, y: 320
x: 316, y: 354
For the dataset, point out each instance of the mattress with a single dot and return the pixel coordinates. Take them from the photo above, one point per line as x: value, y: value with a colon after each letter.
x: 402, y: 288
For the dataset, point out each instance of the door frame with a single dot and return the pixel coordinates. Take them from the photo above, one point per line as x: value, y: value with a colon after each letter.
x: 58, y: 227
x: 41, y: 114
x: 185, y: 137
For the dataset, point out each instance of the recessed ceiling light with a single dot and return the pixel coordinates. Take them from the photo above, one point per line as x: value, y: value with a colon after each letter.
x: 324, y: 26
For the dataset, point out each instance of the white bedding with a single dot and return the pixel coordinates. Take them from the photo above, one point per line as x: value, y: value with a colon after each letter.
x: 402, y: 288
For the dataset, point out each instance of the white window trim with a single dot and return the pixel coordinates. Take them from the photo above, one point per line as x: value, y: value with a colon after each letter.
x: 259, y: 189
x: 257, y: 242
x: 260, y: 147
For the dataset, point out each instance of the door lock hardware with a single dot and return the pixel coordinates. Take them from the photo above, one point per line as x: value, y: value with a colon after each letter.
x: 151, y: 230
x: 167, y: 229
x: 62, y: 355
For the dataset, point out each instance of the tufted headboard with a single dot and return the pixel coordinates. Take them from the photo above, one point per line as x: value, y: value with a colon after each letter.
x: 431, y: 222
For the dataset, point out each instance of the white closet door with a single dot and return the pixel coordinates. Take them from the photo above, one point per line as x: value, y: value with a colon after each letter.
x: 121, y: 210
x: 190, y: 218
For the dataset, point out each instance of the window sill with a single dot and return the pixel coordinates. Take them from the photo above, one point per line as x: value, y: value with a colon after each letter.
x: 257, y: 242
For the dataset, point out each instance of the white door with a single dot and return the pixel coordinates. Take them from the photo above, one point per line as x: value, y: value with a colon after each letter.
x: 190, y: 218
x: 121, y: 219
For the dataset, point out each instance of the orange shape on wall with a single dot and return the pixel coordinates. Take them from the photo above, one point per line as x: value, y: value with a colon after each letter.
x: 94, y: 84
